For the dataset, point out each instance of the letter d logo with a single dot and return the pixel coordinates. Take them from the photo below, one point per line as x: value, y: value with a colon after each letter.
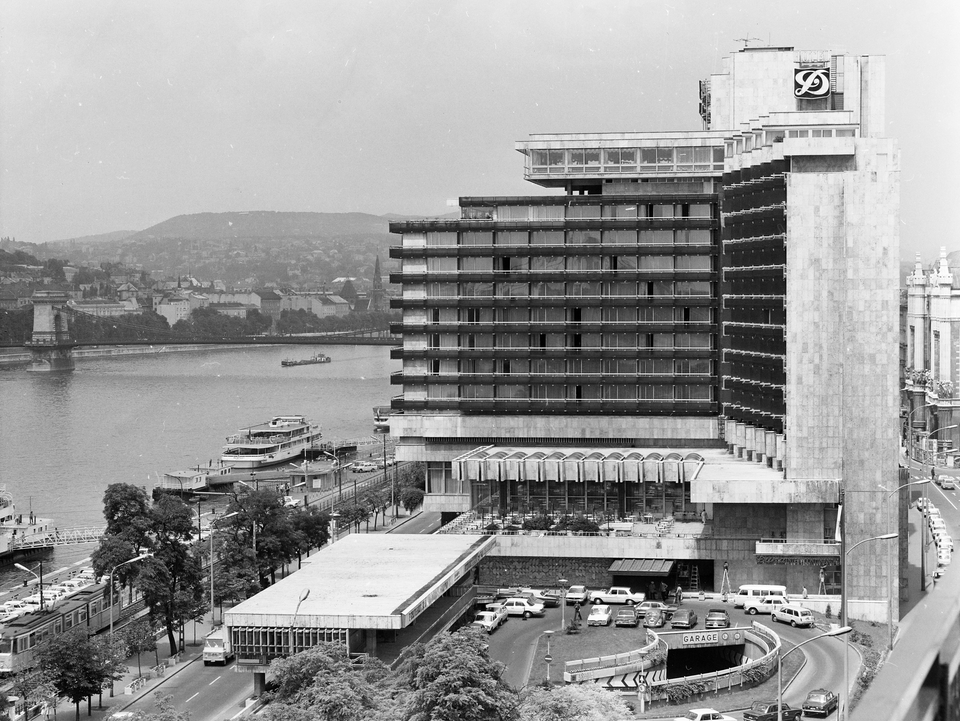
x: 811, y: 82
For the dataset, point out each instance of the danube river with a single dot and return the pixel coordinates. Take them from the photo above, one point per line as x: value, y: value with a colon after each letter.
x: 65, y: 437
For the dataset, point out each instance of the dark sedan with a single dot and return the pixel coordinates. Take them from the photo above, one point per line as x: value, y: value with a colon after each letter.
x: 717, y: 618
x: 626, y: 616
x: 820, y: 702
x: 684, y: 618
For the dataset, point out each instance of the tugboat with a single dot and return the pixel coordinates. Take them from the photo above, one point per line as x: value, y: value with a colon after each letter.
x: 315, y: 358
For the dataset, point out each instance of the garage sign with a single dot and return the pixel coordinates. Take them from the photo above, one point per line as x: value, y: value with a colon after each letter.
x: 701, y: 637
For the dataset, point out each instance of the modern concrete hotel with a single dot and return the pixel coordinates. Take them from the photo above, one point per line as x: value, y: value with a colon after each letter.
x: 699, y: 326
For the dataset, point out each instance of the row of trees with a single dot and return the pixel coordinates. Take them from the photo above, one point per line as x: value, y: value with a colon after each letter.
x: 302, y: 321
x: 408, y: 493
x: 451, y: 678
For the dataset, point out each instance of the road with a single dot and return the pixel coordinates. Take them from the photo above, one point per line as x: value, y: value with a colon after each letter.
x: 426, y: 522
x: 208, y: 693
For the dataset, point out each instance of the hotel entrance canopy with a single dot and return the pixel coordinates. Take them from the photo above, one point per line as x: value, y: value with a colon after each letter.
x: 641, y: 567
x: 617, y: 465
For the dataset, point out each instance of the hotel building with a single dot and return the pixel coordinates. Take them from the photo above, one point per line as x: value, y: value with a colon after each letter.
x: 697, y: 325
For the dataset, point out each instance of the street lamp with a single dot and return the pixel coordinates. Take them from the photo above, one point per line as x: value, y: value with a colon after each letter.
x: 39, y: 579
x: 303, y: 597
x: 548, y: 658
x: 844, y: 615
x: 840, y: 631
x: 335, y: 518
x: 563, y: 603
x: 110, y: 591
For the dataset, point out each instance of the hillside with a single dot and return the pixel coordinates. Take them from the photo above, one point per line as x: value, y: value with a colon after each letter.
x: 265, y: 224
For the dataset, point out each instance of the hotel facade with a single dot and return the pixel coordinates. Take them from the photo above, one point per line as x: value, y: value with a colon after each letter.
x: 699, y: 326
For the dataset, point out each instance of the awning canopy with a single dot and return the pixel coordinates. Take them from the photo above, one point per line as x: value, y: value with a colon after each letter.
x: 641, y: 567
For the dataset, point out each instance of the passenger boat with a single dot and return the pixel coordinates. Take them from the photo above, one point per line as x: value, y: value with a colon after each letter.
x: 381, y: 419
x: 268, y: 444
x: 315, y: 358
x: 17, y: 528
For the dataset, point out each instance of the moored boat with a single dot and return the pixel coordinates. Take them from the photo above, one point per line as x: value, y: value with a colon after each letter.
x: 267, y: 444
x: 315, y: 358
x: 17, y: 528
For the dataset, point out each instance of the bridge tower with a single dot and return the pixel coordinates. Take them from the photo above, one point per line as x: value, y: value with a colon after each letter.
x: 51, y: 345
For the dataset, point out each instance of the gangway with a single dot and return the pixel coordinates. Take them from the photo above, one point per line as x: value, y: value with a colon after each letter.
x: 58, y: 537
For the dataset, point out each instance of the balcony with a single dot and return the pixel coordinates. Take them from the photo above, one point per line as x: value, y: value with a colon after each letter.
x: 782, y: 551
x: 557, y: 406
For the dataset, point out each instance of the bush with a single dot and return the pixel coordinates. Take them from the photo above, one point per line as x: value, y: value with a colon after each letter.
x: 492, y: 527
x: 828, y: 613
x: 538, y: 523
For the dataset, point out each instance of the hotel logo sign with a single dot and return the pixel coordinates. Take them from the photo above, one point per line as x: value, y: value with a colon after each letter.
x: 811, y: 83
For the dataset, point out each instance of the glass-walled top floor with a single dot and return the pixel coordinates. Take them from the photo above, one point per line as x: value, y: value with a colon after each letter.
x: 602, y: 162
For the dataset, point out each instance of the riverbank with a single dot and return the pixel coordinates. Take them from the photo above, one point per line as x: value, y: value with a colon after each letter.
x: 21, y: 356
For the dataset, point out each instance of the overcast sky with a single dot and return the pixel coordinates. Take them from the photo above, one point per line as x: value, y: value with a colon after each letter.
x: 118, y: 115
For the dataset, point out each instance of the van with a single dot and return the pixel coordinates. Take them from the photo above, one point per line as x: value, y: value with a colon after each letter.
x: 794, y: 615
x: 755, y: 592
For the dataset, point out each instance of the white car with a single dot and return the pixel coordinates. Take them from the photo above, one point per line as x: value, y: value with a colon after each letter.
x: 290, y: 502
x: 704, y: 714
x: 946, y: 482
x: 522, y: 607
x: 944, y: 542
x: 364, y: 467
x: 490, y: 620
x: 764, y: 605
x: 600, y: 615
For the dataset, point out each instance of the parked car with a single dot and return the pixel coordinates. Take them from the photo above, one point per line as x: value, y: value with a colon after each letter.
x: 944, y: 543
x: 600, y: 615
x: 947, y: 483
x: 617, y: 594
x: 667, y: 609
x: 716, y: 618
x: 291, y: 502
x: 491, y: 620
x: 704, y: 714
x: 523, y: 607
x: 794, y: 615
x: 684, y: 618
x: 924, y: 505
x: 765, y: 605
x: 547, y: 598
x: 767, y: 711
x: 627, y: 616
x: 654, y: 618
x: 577, y: 594
x: 820, y: 702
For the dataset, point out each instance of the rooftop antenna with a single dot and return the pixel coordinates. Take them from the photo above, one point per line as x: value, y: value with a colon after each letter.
x: 746, y: 41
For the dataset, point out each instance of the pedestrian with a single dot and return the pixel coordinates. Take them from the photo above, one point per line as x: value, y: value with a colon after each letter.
x: 678, y: 596
x: 663, y: 590
x: 576, y: 613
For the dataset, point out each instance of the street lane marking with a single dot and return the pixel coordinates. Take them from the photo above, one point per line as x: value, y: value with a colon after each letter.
x: 192, y: 697
x: 214, y: 680
x: 945, y: 496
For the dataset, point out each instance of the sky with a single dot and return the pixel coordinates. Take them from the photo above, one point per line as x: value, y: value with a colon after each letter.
x: 117, y: 115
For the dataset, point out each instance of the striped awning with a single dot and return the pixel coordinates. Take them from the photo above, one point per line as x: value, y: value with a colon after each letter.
x: 641, y: 567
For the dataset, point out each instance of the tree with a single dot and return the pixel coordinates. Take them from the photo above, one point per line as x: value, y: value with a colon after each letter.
x: 312, y: 527
x: 264, y: 524
x: 138, y: 638
x: 587, y: 702
x: 165, y: 710
x: 455, y: 680
x: 322, y: 683
x: 71, y: 661
x: 411, y: 498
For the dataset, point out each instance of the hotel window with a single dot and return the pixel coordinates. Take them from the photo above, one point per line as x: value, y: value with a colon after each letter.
x: 512, y: 237
x: 512, y: 290
x: 580, y: 159
x: 797, y: 133
x: 441, y: 239
x: 512, y: 392
x: 693, y: 287
x: 583, y: 262
x: 620, y: 340
x: 513, y: 340
x: 473, y: 238
x: 661, y: 210
x: 476, y: 290
x: 583, y: 237
x: 693, y: 366
x: 514, y: 263
x: 445, y: 391
x: 655, y: 392
x: 584, y: 392
x: 911, y: 345
x: 692, y: 340
x: 583, y: 211
x: 684, y: 158
x: 619, y: 262
x: 656, y: 237
x: 620, y: 392
x: 821, y: 133
x: 547, y: 391
x: 703, y: 157
x: 483, y: 263
x: 546, y: 237
x: 470, y: 366
x: 513, y: 212
x: 935, y: 366
x: 693, y: 392
x: 655, y: 288
x: 696, y: 314
x: 619, y: 237
x: 546, y: 262
x: 619, y: 288
x: 440, y: 478
x: 620, y: 314
x: 691, y: 237
x: 846, y: 133
x: 620, y: 211
x: 547, y: 290
x: 583, y: 288
x: 620, y: 366
x: 477, y: 391
x: 697, y: 210
x: 547, y: 212
x: 655, y: 315
x: 583, y: 366
x: 656, y: 262
x: 547, y: 315
x: 773, y: 136
x: 548, y: 366
x: 694, y: 262
x: 441, y: 290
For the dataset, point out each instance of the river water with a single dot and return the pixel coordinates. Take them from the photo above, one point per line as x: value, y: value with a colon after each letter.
x: 64, y: 437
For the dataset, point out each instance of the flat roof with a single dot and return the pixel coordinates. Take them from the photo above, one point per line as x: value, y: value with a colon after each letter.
x: 365, y: 581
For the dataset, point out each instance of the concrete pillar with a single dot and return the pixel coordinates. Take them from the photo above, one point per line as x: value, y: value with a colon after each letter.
x: 759, y: 444
x: 259, y: 683
x: 781, y: 452
x: 740, y: 439
x: 770, y: 451
x: 749, y: 432
x: 729, y: 434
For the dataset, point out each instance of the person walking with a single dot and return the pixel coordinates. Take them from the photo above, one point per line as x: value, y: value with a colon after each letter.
x: 678, y: 596
x: 663, y: 591
x: 576, y: 614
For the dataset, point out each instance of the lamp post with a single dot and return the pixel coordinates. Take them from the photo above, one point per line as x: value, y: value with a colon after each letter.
x: 335, y: 518
x: 110, y: 591
x: 563, y: 603
x: 844, y: 615
x: 931, y: 434
x: 840, y: 631
x: 39, y: 579
x: 548, y: 658
x: 303, y: 597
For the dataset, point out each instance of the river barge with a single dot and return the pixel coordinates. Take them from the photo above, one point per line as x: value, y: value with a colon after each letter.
x: 315, y: 358
x: 281, y: 439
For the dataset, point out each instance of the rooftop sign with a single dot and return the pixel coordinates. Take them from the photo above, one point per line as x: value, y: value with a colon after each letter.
x: 811, y: 82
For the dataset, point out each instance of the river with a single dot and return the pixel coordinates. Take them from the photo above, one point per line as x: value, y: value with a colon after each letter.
x: 64, y: 437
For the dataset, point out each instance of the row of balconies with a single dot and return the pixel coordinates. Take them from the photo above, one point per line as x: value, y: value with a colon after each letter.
x: 552, y: 301
x: 447, y: 225
x: 546, y: 276
x: 542, y: 326
x: 557, y: 406
x: 557, y: 352
x: 407, y: 377
x: 497, y: 251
